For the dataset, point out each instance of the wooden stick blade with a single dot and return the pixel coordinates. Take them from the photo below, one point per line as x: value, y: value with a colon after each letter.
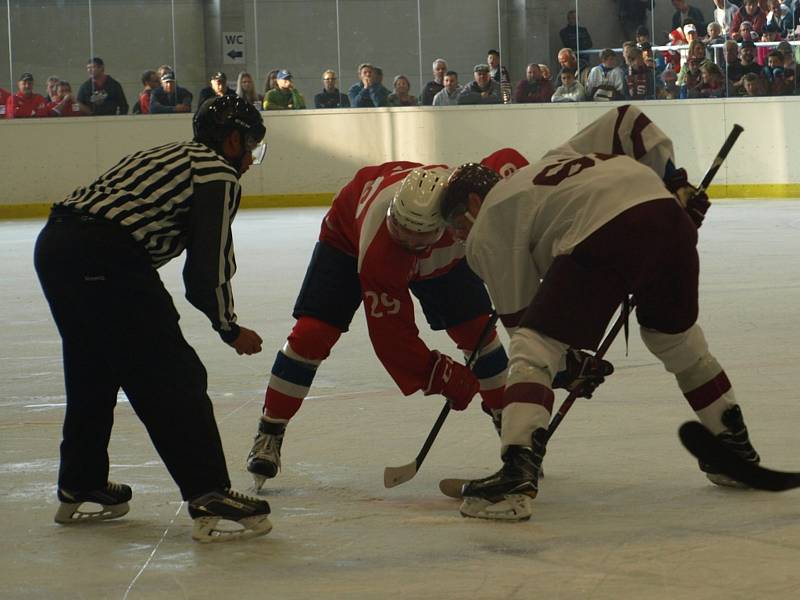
x: 393, y: 476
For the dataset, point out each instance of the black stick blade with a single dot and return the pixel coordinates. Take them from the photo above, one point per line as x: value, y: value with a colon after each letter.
x: 705, y: 446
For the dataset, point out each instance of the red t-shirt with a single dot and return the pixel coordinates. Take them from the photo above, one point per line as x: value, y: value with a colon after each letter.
x: 4, y: 96
x: 20, y: 106
x: 144, y: 101
x: 70, y: 109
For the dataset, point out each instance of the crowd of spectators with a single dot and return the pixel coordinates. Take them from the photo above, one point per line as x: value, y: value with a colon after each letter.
x: 744, y: 49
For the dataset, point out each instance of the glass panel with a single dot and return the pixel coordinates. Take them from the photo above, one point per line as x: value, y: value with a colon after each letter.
x: 305, y: 56
x: 129, y: 36
x: 49, y: 38
x: 6, y: 76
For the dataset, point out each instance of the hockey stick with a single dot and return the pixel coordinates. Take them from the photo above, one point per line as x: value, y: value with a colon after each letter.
x: 601, y: 350
x: 706, y: 447
x: 707, y: 179
x: 393, y: 476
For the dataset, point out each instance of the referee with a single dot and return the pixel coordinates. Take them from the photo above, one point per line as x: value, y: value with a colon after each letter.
x: 96, y: 260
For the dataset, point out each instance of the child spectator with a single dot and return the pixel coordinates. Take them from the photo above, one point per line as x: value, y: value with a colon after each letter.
x: 640, y: 79
x: 775, y: 76
x: 750, y: 12
x: 689, y: 79
x: 781, y: 15
x: 771, y: 34
x: 751, y: 85
x: 668, y: 88
x: 52, y: 82
x: 448, y: 95
x: 569, y: 90
x: 25, y: 103
x: 400, y: 96
x: 712, y: 81
x: 330, y: 96
x: 606, y: 81
x: 286, y: 97
x: 64, y: 104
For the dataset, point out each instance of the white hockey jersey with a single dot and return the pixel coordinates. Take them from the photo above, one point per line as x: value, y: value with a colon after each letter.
x: 545, y: 209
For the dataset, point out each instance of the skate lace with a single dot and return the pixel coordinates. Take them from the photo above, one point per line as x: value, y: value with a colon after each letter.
x: 114, y: 487
x: 244, y: 498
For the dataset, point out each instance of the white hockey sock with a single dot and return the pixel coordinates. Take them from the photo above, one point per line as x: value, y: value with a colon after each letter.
x: 520, y: 420
x: 711, y: 415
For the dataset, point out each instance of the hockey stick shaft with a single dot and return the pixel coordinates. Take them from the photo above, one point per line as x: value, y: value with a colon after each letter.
x: 393, y: 476
x: 601, y: 350
x: 736, y: 131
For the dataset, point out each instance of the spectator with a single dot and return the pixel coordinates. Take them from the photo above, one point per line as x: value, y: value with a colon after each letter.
x: 684, y: 13
x: 712, y: 81
x: 534, y: 88
x: 690, y: 78
x: 218, y: 86
x: 271, y: 82
x: 64, y: 104
x: 493, y: 60
x: 642, y: 36
x: 714, y: 40
x: 606, y: 81
x: 750, y: 12
x: 632, y: 14
x: 170, y: 97
x: 52, y: 82
x: 368, y: 92
x: 25, y: 103
x: 640, y: 79
x: 378, y: 76
x: 448, y: 95
x: 724, y: 11
x: 246, y: 89
x: 547, y: 74
x: 436, y: 85
x: 747, y: 65
x: 789, y: 65
x: 751, y: 85
x: 781, y: 15
x: 150, y: 80
x: 499, y: 73
x: 400, y: 96
x: 771, y: 34
x: 567, y: 59
x: 286, y: 97
x: 570, y: 89
x: 745, y: 32
x: 668, y: 88
x: 574, y: 36
x: 482, y: 90
x: 4, y: 96
x: 330, y: 96
x: 774, y: 75
x: 101, y: 94
x: 163, y: 69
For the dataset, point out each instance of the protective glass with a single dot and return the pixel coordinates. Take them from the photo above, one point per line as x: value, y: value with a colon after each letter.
x: 415, y: 241
x: 258, y: 152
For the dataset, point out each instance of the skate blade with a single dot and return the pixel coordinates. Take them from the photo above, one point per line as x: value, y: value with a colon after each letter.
x: 212, y: 530
x: 69, y: 513
x: 258, y: 482
x: 723, y: 480
x: 514, y: 507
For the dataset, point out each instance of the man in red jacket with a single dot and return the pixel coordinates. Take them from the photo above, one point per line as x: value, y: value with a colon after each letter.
x: 25, y: 103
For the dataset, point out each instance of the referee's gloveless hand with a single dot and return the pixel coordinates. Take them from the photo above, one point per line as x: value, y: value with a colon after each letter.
x: 248, y: 342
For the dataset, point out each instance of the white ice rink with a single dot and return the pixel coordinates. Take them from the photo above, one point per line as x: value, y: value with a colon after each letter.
x: 623, y: 511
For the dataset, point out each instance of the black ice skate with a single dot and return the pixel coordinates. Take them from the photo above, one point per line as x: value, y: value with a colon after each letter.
x: 736, y: 439
x: 112, y: 501
x: 507, y: 494
x: 226, y: 515
x: 264, y: 460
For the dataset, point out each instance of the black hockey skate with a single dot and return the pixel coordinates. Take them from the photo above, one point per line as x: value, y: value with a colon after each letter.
x: 736, y: 439
x: 264, y: 460
x: 112, y: 500
x: 226, y: 515
x: 507, y: 494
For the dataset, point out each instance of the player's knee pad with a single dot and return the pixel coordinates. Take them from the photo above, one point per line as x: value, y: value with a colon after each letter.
x: 311, y: 340
x: 535, y: 358
x: 678, y: 351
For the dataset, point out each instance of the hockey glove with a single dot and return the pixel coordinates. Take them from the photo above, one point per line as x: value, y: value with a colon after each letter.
x: 696, y: 204
x: 453, y: 380
x: 583, y: 374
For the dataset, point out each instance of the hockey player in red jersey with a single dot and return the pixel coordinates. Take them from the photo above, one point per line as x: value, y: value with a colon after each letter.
x: 560, y: 244
x: 382, y: 241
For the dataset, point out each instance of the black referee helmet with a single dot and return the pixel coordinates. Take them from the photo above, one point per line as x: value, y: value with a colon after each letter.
x: 219, y: 117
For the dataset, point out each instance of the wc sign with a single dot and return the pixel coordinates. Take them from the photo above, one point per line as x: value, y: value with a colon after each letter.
x: 233, y: 47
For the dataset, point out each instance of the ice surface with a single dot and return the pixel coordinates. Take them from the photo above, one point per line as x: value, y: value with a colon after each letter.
x: 623, y: 511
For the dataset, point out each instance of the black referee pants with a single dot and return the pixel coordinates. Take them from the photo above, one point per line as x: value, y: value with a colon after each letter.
x: 120, y: 329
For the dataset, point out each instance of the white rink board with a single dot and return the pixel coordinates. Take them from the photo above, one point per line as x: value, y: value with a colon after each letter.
x: 316, y: 151
x: 623, y: 511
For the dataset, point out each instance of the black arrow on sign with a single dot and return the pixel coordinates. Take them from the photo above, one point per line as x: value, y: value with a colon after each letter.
x: 234, y: 54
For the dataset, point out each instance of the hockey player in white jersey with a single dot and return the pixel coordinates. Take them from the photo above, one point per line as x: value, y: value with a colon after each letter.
x: 560, y: 244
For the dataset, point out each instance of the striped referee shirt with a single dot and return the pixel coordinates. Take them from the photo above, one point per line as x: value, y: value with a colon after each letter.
x: 174, y: 197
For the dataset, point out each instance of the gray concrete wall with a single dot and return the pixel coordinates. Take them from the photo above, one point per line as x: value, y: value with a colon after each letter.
x: 306, y: 36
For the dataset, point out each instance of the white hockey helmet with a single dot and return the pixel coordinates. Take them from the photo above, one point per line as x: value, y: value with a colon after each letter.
x: 414, y: 217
